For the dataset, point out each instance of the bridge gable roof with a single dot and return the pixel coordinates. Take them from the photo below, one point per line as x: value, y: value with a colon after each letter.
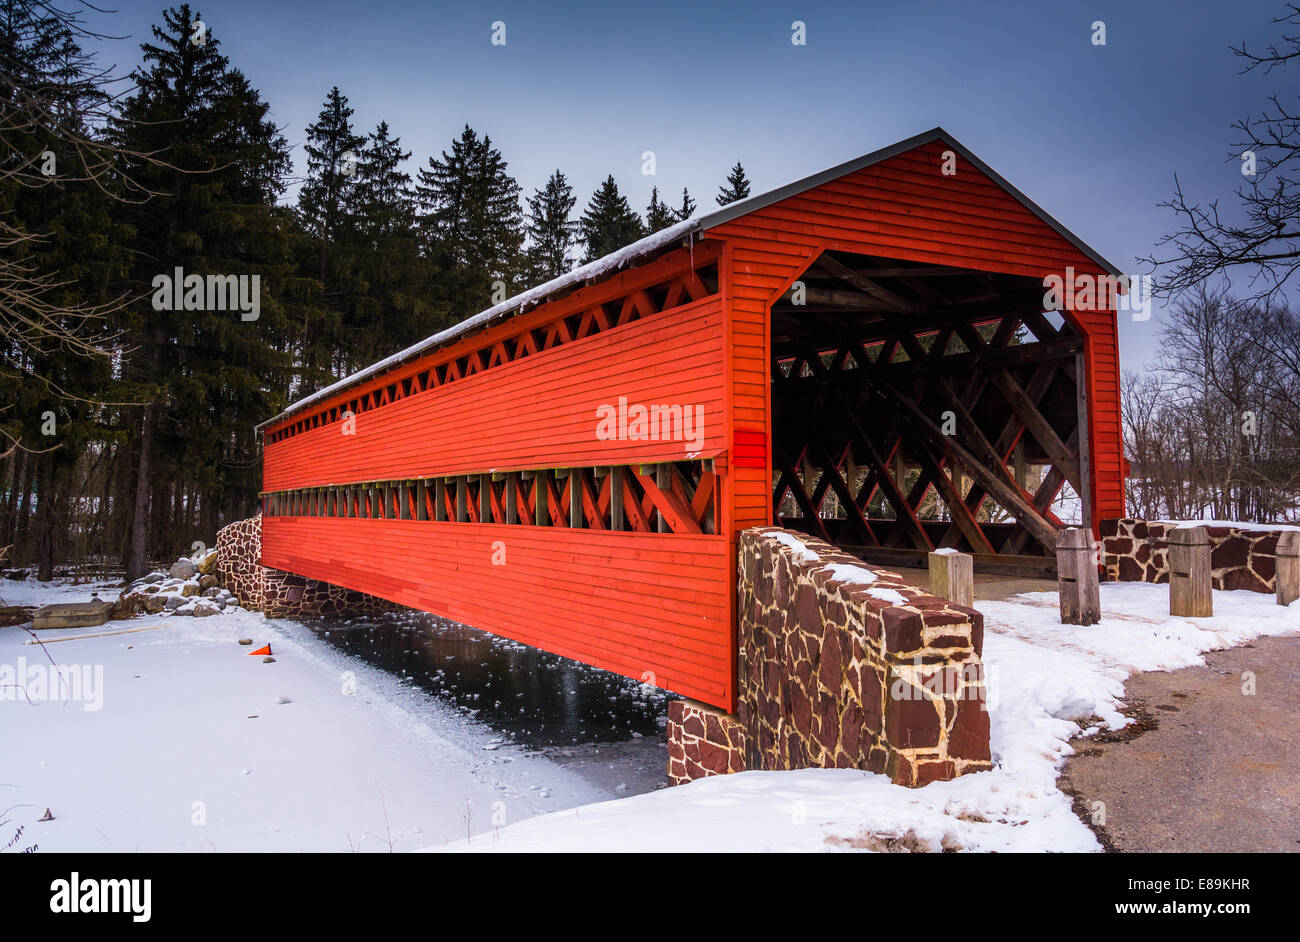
x: 684, y: 232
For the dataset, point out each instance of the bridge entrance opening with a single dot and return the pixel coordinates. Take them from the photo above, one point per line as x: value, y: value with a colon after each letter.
x: 920, y: 406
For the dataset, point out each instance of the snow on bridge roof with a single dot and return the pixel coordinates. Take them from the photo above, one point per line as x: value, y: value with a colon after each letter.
x: 687, y: 231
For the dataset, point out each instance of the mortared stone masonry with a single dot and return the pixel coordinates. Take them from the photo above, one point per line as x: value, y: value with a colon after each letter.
x: 280, y: 594
x: 1138, y: 551
x: 841, y: 665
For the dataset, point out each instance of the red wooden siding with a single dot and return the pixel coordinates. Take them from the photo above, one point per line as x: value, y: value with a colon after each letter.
x: 637, y: 604
x: 627, y: 602
x: 536, y: 412
x: 904, y: 208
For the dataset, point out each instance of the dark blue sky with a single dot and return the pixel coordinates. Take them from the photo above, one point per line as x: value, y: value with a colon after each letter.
x: 1093, y: 134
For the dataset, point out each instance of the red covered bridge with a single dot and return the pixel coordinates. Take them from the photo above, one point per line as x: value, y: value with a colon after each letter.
x: 864, y: 355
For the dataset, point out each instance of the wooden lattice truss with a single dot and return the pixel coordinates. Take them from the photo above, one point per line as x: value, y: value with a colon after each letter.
x: 929, y: 407
x: 673, y: 497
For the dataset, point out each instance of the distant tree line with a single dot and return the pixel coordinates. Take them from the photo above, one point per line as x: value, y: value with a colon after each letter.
x: 126, y: 425
x: 1213, y: 432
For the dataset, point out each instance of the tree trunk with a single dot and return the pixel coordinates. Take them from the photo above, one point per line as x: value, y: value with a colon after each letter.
x: 44, y: 540
x: 137, y: 558
x: 22, y: 552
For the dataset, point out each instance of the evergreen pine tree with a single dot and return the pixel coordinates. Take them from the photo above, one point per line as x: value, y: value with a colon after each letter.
x: 393, y: 310
x: 328, y: 245
x: 208, y: 375
x: 383, y: 198
x: 551, y: 229
x: 736, y: 187
x: 333, y: 154
x: 687, y: 209
x: 609, y: 223
x: 657, y: 215
x: 471, y: 222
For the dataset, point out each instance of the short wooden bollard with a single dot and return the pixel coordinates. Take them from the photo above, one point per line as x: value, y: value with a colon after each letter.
x: 1076, y: 577
x: 952, y: 577
x: 1288, y: 567
x: 1190, y: 588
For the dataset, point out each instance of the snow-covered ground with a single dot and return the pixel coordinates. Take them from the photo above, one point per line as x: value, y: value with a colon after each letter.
x: 183, y: 742
x: 178, y: 740
x: 1046, y: 681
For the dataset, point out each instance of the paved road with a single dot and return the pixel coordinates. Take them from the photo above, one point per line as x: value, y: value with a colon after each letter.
x: 1207, y: 768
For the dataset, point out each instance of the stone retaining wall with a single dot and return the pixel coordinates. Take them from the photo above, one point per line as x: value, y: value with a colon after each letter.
x: 280, y: 594
x: 703, y: 740
x: 1138, y: 551
x: 842, y: 665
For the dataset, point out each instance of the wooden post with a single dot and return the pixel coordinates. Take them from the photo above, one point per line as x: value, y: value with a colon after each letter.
x: 541, y: 516
x: 952, y: 576
x: 485, y: 498
x: 1085, y: 451
x: 664, y: 481
x: 462, y: 498
x: 1288, y: 567
x: 616, y: 498
x: 1077, y: 579
x: 440, y: 499
x: 512, y: 497
x: 421, y: 500
x: 1189, y: 573
x: 576, y: 517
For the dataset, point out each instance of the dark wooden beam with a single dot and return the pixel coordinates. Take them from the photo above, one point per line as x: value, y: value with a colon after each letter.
x: 833, y: 297
x: 895, y: 497
x: 994, y: 563
x: 1042, y: 431
x: 860, y: 281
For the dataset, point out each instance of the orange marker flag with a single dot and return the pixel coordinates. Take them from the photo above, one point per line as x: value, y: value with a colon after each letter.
x: 265, y: 649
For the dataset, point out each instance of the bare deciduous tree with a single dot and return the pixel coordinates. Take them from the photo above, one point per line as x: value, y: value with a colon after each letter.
x: 1259, y: 237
